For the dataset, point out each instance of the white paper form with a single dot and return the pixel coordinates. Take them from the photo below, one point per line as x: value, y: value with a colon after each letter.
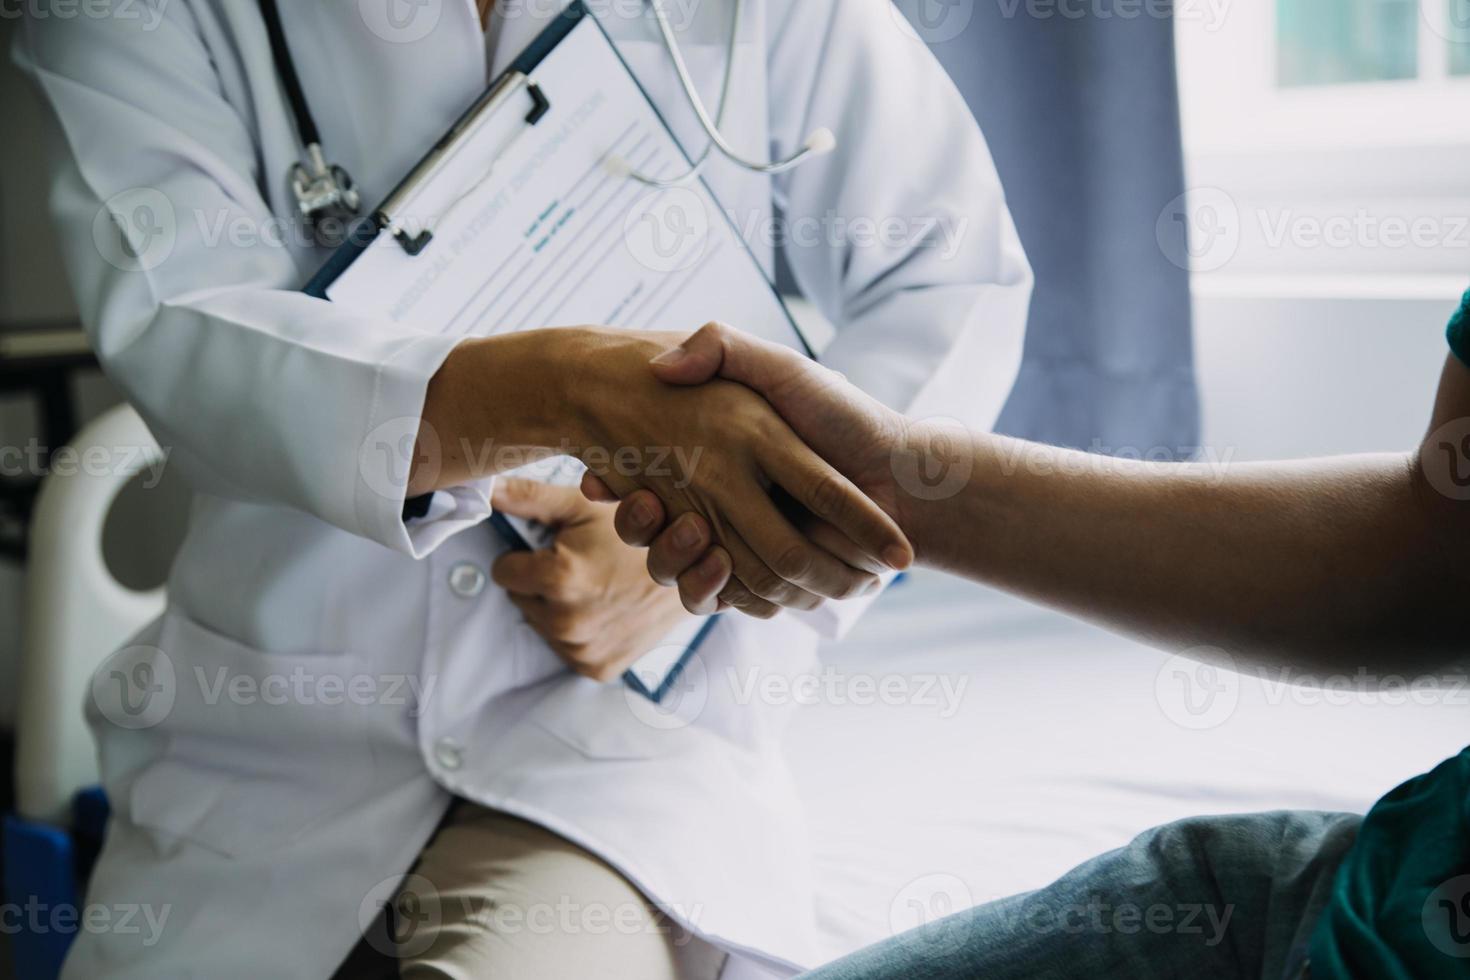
x: 538, y: 226
x: 555, y: 235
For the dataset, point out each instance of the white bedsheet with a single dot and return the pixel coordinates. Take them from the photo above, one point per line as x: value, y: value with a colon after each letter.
x: 1061, y: 748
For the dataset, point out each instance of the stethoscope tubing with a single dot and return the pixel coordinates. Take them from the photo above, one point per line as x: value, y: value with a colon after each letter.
x: 817, y: 144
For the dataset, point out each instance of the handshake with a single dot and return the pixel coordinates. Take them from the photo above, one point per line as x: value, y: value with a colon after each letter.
x: 796, y: 487
x: 798, y: 499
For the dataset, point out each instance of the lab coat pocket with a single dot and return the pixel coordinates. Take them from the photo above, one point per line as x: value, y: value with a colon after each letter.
x: 258, y: 747
x: 605, y: 721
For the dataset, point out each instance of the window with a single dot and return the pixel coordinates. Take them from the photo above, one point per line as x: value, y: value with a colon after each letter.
x: 1324, y: 42
x: 1457, y: 21
x: 1315, y: 73
x: 1327, y: 42
x: 1332, y: 134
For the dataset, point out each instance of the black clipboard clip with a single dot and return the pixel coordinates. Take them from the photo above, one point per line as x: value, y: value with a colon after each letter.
x: 386, y: 217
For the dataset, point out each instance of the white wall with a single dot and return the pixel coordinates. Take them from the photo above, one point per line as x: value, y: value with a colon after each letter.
x: 1297, y: 376
x: 1332, y: 234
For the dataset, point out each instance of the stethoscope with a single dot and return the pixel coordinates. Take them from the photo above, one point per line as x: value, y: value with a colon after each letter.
x: 327, y: 199
x: 818, y: 143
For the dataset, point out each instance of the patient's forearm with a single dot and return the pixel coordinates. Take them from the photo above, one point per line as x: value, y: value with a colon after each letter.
x: 1338, y: 561
x: 1341, y: 562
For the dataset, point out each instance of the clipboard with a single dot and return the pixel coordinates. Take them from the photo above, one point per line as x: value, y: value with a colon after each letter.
x: 414, y: 227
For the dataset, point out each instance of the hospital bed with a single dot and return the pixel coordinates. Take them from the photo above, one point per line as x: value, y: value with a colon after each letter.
x: 1067, y: 741
x: 101, y: 544
x: 1012, y: 742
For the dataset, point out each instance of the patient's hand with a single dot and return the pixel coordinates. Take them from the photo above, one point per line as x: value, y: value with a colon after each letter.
x: 587, y: 595
x: 855, y: 433
x: 716, y: 451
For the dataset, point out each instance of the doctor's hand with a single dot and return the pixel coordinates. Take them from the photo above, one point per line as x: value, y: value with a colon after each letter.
x: 587, y: 595
x: 855, y: 433
x: 718, y: 451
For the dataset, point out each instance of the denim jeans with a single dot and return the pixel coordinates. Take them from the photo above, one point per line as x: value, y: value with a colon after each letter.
x: 1219, y: 897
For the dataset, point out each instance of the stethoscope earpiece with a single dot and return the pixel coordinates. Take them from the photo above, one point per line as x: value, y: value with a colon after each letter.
x: 821, y: 142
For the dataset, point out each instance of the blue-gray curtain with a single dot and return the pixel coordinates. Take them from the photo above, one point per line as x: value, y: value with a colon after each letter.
x: 1079, y: 103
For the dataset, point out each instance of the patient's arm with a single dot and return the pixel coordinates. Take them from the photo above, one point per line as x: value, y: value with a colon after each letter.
x: 1347, y: 562
x: 1353, y: 561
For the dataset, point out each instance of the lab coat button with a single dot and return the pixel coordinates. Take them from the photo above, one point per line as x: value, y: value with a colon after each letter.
x: 466, y: 580
x: 449, y: 753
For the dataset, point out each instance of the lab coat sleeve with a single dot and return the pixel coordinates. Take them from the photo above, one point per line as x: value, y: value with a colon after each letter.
x: 901, y: 237
x: 260, y: 392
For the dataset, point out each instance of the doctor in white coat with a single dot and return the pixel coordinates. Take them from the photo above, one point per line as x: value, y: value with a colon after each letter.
x: 331, y: 679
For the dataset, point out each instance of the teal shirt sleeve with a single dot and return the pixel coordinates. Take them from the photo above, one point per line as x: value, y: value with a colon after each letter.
x: 1400, y: 904
x: 1459, y: 332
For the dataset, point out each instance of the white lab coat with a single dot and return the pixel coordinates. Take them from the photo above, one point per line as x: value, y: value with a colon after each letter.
x: 285, y: 775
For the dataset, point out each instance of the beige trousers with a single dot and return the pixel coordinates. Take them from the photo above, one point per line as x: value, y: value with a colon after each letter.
x: 496, y: 898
